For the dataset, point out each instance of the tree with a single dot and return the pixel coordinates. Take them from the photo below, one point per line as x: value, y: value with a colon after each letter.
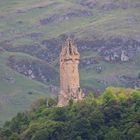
x: 115, y: 115
x: 14, y: 136
x: 114, y: 134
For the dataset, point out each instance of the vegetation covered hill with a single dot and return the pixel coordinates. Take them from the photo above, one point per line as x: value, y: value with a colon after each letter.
x: 106, y: 32
x: 115, y: 115
x: 17, y: 92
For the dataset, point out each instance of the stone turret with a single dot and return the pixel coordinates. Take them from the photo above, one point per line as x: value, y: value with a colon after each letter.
x: 69, y: 74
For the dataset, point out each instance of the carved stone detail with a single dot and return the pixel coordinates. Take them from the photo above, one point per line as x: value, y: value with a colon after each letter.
x: 69, y: 74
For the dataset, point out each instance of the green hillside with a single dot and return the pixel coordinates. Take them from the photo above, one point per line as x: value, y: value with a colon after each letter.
x: 16, y: 91
x: 32, y: 31
x: 115, y: 115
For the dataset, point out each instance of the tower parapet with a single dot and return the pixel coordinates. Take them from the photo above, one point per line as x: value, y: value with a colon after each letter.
x: 69, y: 74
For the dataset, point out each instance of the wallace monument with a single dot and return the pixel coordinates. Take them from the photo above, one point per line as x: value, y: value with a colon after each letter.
x: 69, y: 74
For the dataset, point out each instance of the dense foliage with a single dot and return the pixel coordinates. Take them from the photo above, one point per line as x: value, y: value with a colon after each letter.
x: 115, y: 115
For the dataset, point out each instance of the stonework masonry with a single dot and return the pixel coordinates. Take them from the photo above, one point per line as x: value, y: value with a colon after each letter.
x: 69, y: 74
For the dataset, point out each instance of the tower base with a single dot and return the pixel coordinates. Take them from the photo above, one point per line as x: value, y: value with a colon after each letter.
x: 65, y: 97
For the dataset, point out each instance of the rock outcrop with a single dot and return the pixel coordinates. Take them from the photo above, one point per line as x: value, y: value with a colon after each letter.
x: 34, y: 69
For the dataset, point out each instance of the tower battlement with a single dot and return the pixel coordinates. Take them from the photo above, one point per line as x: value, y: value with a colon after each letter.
x: 69, y: 74
x: 69, y: 51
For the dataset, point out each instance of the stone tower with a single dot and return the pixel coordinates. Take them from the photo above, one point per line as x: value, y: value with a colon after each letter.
x: 69, y: 74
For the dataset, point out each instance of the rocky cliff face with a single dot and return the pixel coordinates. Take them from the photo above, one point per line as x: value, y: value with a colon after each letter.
x: 106, y: 33
x: 113, y: 50
x: 34, y: 69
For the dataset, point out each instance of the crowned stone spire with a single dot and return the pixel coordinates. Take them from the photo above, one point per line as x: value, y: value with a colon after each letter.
x: 69, y: 74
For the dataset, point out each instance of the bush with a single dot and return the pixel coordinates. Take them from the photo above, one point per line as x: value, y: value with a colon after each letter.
x: 115, y: 115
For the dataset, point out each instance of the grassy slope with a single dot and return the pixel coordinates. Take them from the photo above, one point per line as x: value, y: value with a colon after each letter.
x: 15, y: 26
x: 101, y: 21
x: 15, y: 96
